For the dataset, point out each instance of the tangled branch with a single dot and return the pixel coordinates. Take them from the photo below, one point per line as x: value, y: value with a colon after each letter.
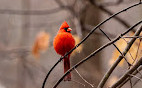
x: 116, y: 47
x: 126, y: 75
x: 108, y: 73
x: 92, y: 54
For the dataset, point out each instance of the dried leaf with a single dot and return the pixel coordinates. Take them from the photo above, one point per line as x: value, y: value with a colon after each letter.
x: 41, y: 43
x: 79, y: 49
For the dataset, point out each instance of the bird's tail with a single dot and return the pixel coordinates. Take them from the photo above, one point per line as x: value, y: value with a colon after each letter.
x: 67, y: 67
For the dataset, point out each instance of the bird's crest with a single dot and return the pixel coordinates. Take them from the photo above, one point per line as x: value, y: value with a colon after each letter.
x: 64, y: 25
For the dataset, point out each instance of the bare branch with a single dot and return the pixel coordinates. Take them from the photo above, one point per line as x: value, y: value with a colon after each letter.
x: 84, y: 79
x: 108, y: 73
x: 116, y: 48
x: 137, y: 52
x: 128, y: 51
x: 78, y: 83
x: 132, y: 37
x: 126, y: 80
x: 138, y: 79
x: 120, y: 20
x: 135, y: 77
x: 88, y: 27
x: 94, y: 53
x: 126, y: 75
x: 91, y: 32
x: 130, y: 82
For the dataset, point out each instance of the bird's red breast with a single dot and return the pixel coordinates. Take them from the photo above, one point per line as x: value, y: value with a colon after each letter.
x: 64, y: 41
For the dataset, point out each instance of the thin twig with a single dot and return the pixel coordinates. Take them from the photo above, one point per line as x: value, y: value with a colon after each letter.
x: 137, y: 52
x: 119, y: 52
x: 87, y: 28
x: 137, y: 80
x: 126, y: 80
x: 130, y: 82
x: 43, y: 84
x: 108, y: 73
x: 78, y: 82
x: 116, y: 47
x: 134, y: 61
x: 132, y: 37
x: 129, y: 50
x: 126, y: 75
x: 91, y: 32
x: 84, y: 79
x: 135, y: 77
x: 120, y: 20
x: 94, y: 53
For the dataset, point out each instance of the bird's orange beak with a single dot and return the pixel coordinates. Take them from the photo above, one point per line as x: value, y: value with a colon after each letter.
x: 69, y: 29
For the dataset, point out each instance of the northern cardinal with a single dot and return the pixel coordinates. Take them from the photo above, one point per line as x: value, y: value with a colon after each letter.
x: 63, y: 43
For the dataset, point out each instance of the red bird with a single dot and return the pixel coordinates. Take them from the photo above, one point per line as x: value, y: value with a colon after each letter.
x: 63, y: 43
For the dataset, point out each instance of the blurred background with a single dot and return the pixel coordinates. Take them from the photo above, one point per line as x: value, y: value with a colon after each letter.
x: 22, y: 21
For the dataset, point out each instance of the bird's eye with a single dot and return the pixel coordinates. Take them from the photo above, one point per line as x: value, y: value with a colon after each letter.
x: 66, y: 29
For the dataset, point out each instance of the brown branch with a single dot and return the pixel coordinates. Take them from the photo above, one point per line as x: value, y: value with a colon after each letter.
x: 138, y: 79
x: 120, y: 20
x: 132, y: 37
x: 84, y: 39
x: 137, y: 52
x: 126, y: 80
x: 135, y: 77
x: 126, y: 75
x: 108, y: 73
x: 116, y: 47
x: 94, y: 53
x: 88, y: 27
x: 130, y: 82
